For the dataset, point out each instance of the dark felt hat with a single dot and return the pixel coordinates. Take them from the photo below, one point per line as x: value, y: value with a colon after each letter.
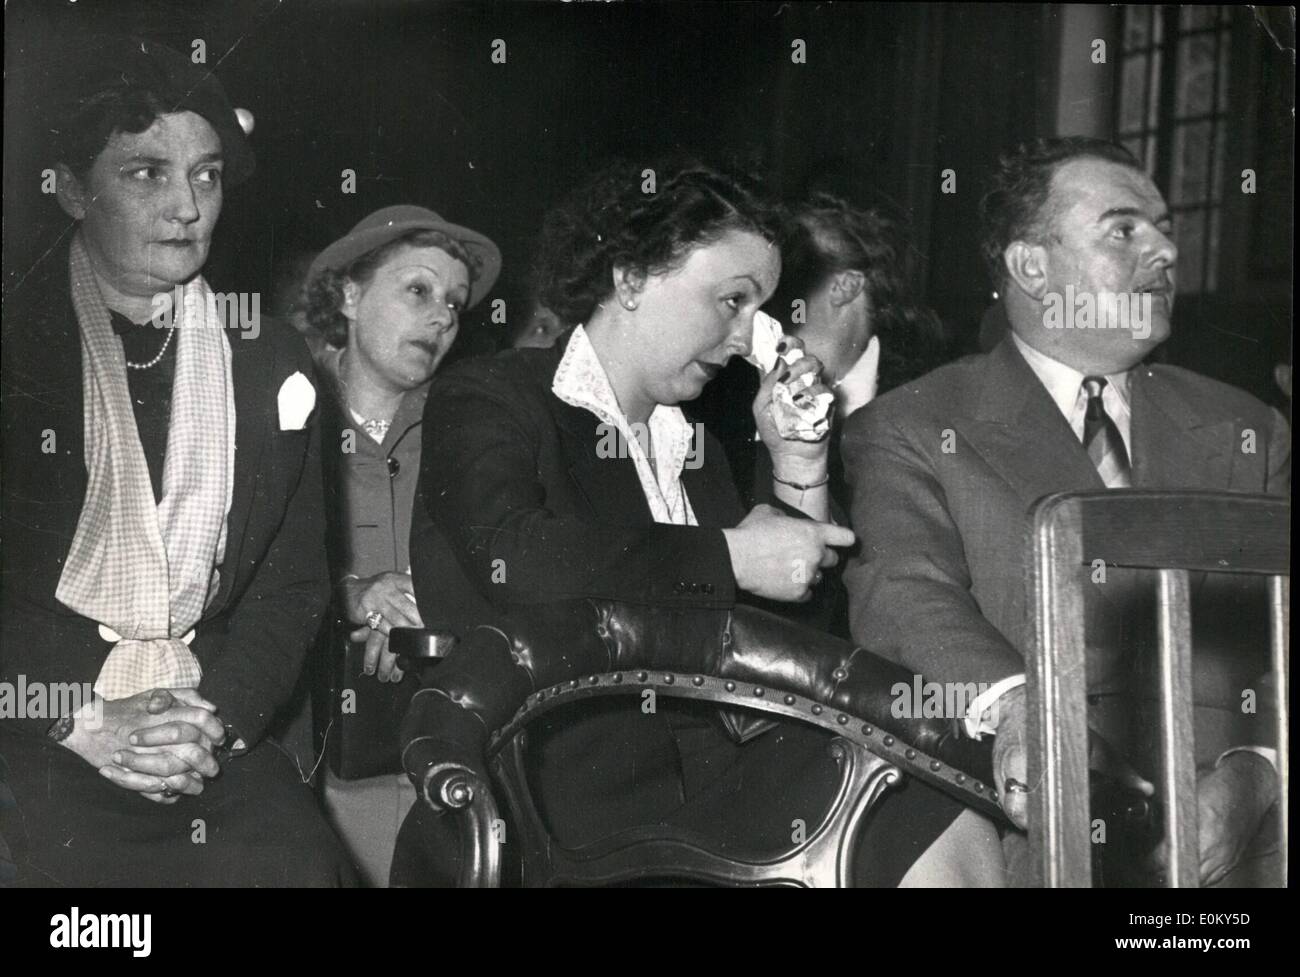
x: 390, y: 223
x: 121, y: 63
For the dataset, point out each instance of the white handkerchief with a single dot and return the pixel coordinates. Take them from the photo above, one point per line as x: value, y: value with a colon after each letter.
x: 296, y: 400
x: 767, y: 333
x: 793, y: 422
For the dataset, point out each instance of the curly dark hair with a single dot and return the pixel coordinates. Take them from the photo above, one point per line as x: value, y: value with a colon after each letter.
x: 826, y: 235
x: 84, y: 134
x: 612, y: 221
x: 1014, y: 208
x: 324, y: 293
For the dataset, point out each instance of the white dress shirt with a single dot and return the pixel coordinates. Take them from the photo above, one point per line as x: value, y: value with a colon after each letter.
x: 1065, y: 386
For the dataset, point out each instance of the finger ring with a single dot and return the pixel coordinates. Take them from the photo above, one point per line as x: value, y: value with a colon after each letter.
x: 1014, y: 786
x: 374, y: 619
x: 168, y: 792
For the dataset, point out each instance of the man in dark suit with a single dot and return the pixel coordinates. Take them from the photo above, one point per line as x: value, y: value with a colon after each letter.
x: 944, y: 471
x: 175, y: 643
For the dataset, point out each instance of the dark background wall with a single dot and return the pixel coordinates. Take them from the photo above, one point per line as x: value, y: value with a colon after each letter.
x: 406, y: 94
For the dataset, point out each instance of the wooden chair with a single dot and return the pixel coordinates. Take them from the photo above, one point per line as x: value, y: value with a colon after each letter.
x: 1174, y: 534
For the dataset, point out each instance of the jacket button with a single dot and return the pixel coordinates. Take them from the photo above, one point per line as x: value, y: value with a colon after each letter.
x: 394, y: 466
x: 708, y: 588
x: 679, y: 588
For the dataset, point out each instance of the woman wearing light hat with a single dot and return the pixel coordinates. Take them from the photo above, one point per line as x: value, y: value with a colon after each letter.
x: 384, y: 305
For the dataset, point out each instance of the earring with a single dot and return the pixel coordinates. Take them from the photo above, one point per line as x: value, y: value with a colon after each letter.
x: 629, y: 305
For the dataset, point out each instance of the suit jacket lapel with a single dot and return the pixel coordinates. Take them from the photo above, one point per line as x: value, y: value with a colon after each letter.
x: 1021, y: 434
x: 1172, y: 445
x: 710, y: 486
x: 609, y: 485
x: 251, y: 376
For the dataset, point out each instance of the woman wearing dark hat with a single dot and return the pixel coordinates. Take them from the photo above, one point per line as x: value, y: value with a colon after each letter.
x: 162, y: 515
x: 384, y: 305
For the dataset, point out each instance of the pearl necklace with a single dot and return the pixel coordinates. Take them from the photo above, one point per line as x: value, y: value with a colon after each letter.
x: 157, y: 359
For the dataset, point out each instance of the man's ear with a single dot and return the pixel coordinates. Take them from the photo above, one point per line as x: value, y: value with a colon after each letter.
x: 69, y: 192
x: 628, y: 283
x: 1026, y: 265
x: 846, y: 286
x: 351, y: 299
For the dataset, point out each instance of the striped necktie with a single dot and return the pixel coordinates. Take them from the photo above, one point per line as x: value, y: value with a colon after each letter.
x: 1102, y: 438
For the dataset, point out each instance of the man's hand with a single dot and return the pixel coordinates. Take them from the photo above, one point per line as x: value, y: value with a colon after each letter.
x: 158, y: 743
x: 391, y: 596
x: 1231, y: 801
x: 1011, y: 759
x: 778, y: 557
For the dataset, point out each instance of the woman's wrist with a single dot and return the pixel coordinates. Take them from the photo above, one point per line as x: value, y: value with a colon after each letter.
x: 800, y: 471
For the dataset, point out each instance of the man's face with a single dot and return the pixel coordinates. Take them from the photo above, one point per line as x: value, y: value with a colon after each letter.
x: 149, y: 203
x: 1110, y: 235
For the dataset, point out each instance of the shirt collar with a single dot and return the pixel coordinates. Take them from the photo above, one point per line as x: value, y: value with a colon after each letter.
x: 581, y: 380
x: 858, y: 386
x: 1064, y: 382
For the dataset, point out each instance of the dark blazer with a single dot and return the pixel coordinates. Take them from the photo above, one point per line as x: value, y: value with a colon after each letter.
x: 512, y: 482
x: 515, y: 505
x: 274, y: 583
x: 944, y: 472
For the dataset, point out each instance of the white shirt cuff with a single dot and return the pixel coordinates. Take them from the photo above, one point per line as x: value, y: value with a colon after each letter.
x: 981, y: 717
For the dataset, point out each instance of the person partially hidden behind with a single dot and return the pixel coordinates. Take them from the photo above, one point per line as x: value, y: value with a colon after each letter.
x: 944, y: 472
x: 162, y: 515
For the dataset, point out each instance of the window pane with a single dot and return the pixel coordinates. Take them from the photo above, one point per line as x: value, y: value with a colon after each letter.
x: 1212, y: 267
x: 1137, y: 26
x: 1195, y: 75
x: 1133, y: 92
x: 1153, y: 90
x: 1216, y: 183
x: 1191, y: 178
x: 1190, y: 237
x: 1225, y: 49
x: 1197, y: 18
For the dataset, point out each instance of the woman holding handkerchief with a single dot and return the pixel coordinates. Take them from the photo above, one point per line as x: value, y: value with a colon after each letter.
x: 571, y: 472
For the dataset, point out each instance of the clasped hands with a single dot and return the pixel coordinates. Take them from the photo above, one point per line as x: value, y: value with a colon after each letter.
x: 1231, y: 799
x: 160, y: 743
